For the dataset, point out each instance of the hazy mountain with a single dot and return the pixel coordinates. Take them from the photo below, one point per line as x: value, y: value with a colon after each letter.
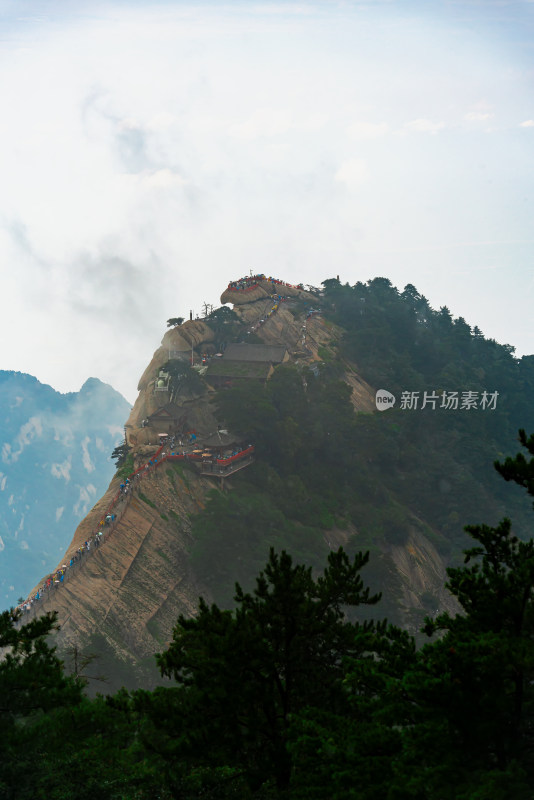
x: 55, y: 464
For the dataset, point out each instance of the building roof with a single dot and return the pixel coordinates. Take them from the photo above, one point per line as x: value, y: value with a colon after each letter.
x: 224, y: 368
x: 263, y: 353
x: 169, y: 411
x: 221, y: 439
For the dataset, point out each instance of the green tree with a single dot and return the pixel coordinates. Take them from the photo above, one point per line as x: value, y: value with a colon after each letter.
x: 245, y: 674
x: 349, y: 753
x: 32, y: 685
x: 518, y: 469
x: 472, y: 690
x: 120, y: 454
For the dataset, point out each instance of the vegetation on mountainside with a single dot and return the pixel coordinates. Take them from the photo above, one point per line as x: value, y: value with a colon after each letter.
x: 285, y: 699
x: 183, y: 378
x: 127, y: 467
x: 120, y: 454
x: 320, y: 466
x: 225, y: 324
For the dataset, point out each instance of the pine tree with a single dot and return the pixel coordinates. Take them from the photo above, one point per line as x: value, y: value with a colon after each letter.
x: 472, y: 692
x: 247, y: 673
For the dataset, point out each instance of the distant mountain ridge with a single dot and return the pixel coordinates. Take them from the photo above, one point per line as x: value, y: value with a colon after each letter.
x: 54, y: 464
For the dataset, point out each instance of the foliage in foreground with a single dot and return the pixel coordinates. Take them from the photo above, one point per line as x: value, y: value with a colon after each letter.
x: 284, y: 698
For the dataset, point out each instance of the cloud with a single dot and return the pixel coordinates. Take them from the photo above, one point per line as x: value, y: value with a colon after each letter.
x: 423, y: 125
x: 352, y: 173
x: 528, y: 123
x: 62, y: 470
x: 59, y: 513
x: 265, y: 122
x: 202, y: 140
x: 86, y: 458
x: 368, y: 130
x: 478, y: 116
x: 85, y: 500
x: 28, y: 432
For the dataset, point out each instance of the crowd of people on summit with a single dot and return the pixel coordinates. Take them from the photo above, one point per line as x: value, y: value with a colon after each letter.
x: 251, y: 281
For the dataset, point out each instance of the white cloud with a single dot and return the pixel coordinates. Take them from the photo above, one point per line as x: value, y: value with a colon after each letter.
x: 368, y: 130
x: 115, y: 430
x: 478, y: 116
x: 85, y: 500
x: 62, y: 470
x: 63, y: 435
x: 528, y: 123
x: 152, y: 179
x: 264, y: 122
x: 3, y: 481
x: 202, y: 139
x: 161, y: 121
x: 2, y: 545
x: 86, y: 458
x: 24, y: 545
x: 423, y: 125
x: 28, y: 432
x: 59, y: 513
x: 352, y: 173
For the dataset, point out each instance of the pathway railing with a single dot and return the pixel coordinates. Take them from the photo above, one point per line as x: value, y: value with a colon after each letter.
x: 118, y: 505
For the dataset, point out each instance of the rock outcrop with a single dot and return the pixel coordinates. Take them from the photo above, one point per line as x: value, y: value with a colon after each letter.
x: 122, y: 599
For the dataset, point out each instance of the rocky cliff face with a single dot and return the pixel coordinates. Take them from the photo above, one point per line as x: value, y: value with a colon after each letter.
x: 121, y: 599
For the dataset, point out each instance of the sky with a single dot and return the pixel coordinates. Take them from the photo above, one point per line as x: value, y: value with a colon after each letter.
x: 150, y: 153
